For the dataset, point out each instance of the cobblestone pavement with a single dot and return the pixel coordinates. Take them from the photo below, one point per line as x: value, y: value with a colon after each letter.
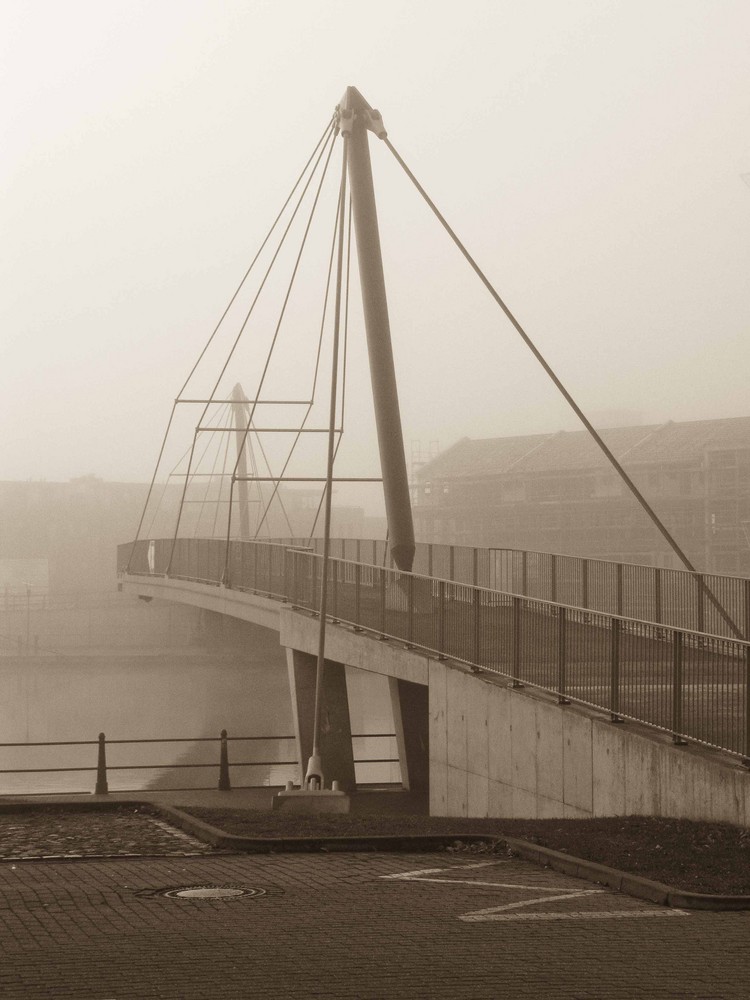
x: 125, y: 831
x: 367, y: 926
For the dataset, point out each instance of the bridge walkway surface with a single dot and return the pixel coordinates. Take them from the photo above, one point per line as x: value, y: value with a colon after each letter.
x: 368, y: 926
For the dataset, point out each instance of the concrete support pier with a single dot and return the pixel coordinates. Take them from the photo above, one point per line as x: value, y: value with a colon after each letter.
x: 335, y: 731
x: 410, y: 704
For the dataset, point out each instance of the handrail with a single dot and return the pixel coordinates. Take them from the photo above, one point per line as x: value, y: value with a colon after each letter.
x: 102, y: 768
x: 702, y: 602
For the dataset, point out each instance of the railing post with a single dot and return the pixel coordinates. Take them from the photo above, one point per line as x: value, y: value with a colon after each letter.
x: 584, y: 583
x: 295, y: 574
x: 475, y: 567
x: 657, y: 595
x: 701, y: 605
x: 515, y: 635
x: 224, y: 785
x: 429, y: 559
x: 381, y: 570
x: 524, y: 573
x: 746, y: 761
x: 410, y: 609
x: 101, y: 768
x: 314, y: 603
x: 553, y: 577
x: 441, y: 620
x: 677, y: 638
x: 452, y: 562
x: 358, y: 593
x: 335, y: 564
x: 225, y: 575
x: 287, y: 575
x: 562, y: 652
x: 619, y: 588
x: 614, y: 670
x: 477, y: 616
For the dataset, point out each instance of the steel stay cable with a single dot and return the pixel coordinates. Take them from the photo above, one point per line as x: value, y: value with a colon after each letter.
x: 256, y: 478
x: 315, y: 377
x: 275, y: 489
x: 254, y: 404
x: 569, y: 399
x: 274, y: 339
x: 151, y: 487
x: 346, y: 313
x: 343, y: 365
x: 342, y: 419
x: 328, y: 129
x: 211, y: 476
x: 255, y: 258
x: 172, y: 474
x: 331, y: 135
x: 221, y: 485
x: 314, y: 776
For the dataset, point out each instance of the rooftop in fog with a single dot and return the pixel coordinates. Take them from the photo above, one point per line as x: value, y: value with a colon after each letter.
x: 645, y: 444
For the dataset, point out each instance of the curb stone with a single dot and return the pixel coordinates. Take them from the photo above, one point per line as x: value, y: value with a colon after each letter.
x: 631, y: 885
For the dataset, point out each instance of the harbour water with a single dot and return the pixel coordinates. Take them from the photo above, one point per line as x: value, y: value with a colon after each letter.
x: 175, y: 677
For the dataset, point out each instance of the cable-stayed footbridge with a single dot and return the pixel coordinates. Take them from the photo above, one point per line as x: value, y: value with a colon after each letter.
x: 509, y: 672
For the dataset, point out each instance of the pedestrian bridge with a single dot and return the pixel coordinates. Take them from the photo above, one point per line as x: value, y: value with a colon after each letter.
x: 508, y: 671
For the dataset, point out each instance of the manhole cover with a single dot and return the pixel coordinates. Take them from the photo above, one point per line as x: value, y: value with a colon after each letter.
x: 213, y: 892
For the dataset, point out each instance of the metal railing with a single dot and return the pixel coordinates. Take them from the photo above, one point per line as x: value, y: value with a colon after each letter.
x: 222, y: 763
x: 688, y: 683
x: 666, y: 596
x: 700, y: 602
x: 671, y: 597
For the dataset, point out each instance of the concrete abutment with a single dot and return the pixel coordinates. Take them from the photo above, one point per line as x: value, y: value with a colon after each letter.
x: 496, y: 750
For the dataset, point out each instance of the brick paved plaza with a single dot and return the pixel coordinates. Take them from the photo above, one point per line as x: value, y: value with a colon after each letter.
x: 351, y: 925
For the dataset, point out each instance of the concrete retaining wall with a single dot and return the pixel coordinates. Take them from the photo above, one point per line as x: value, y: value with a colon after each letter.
x: 499, y: 751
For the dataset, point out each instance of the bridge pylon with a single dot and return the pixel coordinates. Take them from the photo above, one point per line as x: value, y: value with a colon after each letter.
x: 356, y: 119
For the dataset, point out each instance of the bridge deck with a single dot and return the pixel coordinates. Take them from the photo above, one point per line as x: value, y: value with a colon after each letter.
x: 689, y: 683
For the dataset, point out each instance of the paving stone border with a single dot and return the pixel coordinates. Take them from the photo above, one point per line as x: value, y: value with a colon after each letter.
x: 631, y: 885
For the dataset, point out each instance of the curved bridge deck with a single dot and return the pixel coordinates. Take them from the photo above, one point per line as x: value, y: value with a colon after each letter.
x: 689, y: 684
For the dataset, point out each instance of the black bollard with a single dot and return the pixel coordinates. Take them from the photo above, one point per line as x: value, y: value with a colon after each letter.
x: 224, y: 785
x: 101, y: 768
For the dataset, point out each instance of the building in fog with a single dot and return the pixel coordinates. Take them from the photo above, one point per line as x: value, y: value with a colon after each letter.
x: 63, y: 537
x: 557, y: 493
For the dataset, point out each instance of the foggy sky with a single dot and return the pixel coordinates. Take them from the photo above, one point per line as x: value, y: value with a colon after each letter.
x: 588, y: 153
